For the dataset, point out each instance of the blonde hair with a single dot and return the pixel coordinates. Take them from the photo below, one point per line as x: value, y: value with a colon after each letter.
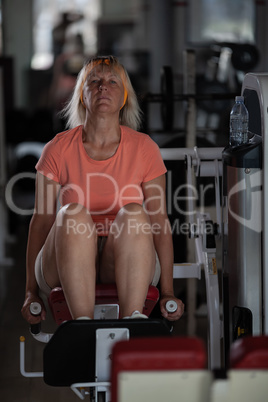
x: 129, y: 115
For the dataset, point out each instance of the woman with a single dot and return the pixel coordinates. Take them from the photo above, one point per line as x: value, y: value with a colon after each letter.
x: 110, y: 181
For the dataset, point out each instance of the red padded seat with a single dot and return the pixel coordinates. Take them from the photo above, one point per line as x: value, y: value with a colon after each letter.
x: 154, y: 354
x: 105, y: 294
x: 250, y: 352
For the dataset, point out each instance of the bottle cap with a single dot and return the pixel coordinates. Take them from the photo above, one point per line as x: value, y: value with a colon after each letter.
x: 239, y: 98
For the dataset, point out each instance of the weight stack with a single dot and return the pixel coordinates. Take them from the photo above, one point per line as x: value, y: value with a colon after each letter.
x: 242, y: 240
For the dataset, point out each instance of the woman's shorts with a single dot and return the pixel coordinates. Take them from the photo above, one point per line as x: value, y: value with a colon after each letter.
x: 39, y: 274
x: 46, y: 289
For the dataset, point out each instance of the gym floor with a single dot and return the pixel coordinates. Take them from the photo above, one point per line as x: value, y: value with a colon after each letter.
x: 14, y: 387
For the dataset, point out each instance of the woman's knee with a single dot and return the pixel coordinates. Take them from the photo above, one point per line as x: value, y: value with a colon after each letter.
x: 133, y: 220
x: 132, y: 210
x: 76, y: 219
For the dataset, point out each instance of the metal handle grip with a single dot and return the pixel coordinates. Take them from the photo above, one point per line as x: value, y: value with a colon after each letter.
x: 35, y: 329
x: 171, y: 306
x: 35, y: 309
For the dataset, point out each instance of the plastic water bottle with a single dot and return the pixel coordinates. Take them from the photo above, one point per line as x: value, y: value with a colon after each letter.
x: 238, y: 123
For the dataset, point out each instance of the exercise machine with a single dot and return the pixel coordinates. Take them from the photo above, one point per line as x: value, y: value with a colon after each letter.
x: 245, y: 255
x: 245, y: 224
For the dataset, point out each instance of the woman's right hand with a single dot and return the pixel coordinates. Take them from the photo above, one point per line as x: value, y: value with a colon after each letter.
x: 26, y: 313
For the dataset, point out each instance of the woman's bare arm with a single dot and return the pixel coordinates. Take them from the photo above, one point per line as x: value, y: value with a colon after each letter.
x: 42, y: 220
x: 155, y: 205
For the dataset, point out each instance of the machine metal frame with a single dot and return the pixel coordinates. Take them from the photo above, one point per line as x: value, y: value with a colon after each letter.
x: 205, y: 162
x: 258, y: 82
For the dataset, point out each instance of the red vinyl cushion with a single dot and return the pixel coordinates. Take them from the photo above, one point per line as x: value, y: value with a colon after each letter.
x: 105, y: 294
x: 159, y: 353
x: 249, y: 353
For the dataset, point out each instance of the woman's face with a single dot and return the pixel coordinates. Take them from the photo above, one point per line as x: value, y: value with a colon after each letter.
x: 103, y: 90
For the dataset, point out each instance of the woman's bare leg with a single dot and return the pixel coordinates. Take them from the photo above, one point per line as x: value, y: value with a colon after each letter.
x: 69, y: 259
x: 129, y: 258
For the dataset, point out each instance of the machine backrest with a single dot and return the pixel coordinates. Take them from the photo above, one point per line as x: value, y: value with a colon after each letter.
x: 157, y: 369
x: 247, y: 378
x: 249, y: 353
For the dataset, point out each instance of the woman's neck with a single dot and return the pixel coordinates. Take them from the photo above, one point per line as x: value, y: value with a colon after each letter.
x: 101, y: 140
x: 101, y: 131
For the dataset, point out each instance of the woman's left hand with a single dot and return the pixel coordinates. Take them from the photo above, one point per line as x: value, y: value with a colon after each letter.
x: 176, y: 315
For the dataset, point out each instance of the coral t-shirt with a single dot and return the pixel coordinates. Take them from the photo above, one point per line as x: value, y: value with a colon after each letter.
x: 105, y: 186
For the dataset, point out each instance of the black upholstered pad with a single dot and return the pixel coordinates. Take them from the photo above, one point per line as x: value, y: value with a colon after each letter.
x: 69, y: 357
